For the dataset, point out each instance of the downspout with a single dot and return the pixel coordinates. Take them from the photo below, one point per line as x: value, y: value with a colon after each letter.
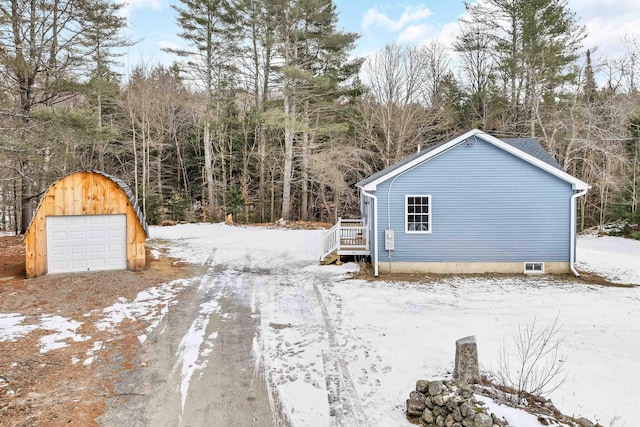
x: 375, y: 230
x: 572, y: 249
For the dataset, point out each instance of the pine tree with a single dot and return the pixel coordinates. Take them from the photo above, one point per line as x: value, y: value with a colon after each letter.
x: 101, y: 38
x: 39, y: 40
x: 533, y: 42
x: 209, y: 63
x: 589, y: 88
x: 315, y: 68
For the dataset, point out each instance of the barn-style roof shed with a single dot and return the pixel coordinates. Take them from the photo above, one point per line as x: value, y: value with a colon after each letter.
x: 86, y: 221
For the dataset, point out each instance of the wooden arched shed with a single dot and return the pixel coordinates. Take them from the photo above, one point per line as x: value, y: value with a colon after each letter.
x: 86, y: 221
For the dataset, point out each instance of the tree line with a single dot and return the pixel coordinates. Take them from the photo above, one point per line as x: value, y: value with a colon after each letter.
x: 266, y: 114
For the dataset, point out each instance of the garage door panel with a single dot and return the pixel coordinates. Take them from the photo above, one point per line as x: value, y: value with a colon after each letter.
x: 76, y: 220
x: 78, y: 264
x: 97, y: 219
x: 59, y: 250
x: 78, y: 235
x: 86, y: 243
x: 97, y: 249
x: 96, y: 234
x: 98, y: 263
x: 116, y: 234
x: 59, y: 235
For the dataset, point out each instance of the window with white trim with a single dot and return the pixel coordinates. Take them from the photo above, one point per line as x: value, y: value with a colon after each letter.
x: 534, y: 267
x: 417, y: 214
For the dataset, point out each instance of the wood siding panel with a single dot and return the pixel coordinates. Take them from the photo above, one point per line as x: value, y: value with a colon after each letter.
x: 486, y: 204
x: 83, y: 193
x: 58, y: 197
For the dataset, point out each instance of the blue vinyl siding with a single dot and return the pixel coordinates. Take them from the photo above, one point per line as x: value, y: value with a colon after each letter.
x: 487, y: 205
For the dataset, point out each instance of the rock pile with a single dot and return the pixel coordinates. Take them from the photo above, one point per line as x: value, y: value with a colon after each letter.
x: 444, y: 404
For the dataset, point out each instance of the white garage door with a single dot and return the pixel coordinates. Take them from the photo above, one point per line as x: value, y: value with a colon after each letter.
x: 86, y: 243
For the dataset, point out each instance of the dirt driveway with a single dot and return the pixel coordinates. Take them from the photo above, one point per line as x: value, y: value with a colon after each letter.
x: 192, y: 362
x: 65, y: 368
x: 197, y: 368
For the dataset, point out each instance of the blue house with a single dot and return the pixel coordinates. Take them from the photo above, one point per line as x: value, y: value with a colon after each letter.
x: 473, y: 204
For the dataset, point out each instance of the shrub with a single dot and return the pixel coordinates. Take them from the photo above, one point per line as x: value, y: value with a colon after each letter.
x: 533, y: 364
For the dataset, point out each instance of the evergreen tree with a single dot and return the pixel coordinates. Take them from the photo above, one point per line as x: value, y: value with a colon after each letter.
x: 628, y: 206
x: 589, y: 87
x: 534, y: 42
x: 39, y: 42
x: 209, y: 63
x: 314, y: 73
x: 101, y: 40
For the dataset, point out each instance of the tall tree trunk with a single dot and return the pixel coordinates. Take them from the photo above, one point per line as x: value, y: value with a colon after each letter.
x: 208, y: 168
x: 159, y: 182
x: 289, y: 112
x: 262, y: 185
x: 101, y: 144
x: 26, y: 208
x: 304, y: 203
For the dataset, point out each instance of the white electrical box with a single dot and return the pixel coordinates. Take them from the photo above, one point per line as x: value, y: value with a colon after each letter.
x: 388, y: 240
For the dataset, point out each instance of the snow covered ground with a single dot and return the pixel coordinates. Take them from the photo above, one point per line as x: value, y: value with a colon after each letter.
x: 615, y: 258
x: 337, y: 345
x: 347, y: 352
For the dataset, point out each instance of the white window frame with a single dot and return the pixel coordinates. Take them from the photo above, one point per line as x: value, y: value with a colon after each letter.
x: 541, y: 271
x: 406, y: 214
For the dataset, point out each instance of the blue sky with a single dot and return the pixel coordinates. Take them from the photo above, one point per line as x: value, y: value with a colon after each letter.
x: 381, y: 22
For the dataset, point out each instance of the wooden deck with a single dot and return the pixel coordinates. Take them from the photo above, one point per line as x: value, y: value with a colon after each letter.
x: 346, y: 237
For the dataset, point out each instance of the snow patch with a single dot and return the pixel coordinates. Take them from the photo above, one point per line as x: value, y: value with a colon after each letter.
x: 91, y: 353
x: 514, y: 416
x: 149, y: 305
x: 11, y: 326
x: 63, y: 330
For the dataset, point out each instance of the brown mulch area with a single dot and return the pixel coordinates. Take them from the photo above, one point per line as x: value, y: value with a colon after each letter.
x: 48, y: 389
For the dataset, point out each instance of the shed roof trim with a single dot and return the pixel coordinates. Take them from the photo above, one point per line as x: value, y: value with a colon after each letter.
x: 120, y: 183
x: 131, y: 196
x: 527, y: 149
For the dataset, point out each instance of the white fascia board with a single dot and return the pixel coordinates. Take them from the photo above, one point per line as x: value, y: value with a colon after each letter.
x: 374, y: 184
x: 575, y: 182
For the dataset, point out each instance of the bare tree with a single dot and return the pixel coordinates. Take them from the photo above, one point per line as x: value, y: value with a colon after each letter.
x: 533, y: 362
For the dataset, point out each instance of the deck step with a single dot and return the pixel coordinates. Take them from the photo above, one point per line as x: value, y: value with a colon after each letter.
x: 331, y: 258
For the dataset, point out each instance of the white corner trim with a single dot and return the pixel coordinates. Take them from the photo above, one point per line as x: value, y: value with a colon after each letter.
x: 575, y: 182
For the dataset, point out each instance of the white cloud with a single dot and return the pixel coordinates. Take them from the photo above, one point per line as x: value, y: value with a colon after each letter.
x: 607, y: 23
x: 374, y: 18
x: 448, y: 33
x: 130, y: 5
x: 416, y: 33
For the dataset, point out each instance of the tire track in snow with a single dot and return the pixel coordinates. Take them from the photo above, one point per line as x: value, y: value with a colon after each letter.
x: 344, y: 404
x: 194, y: 348
x: 279, y: 414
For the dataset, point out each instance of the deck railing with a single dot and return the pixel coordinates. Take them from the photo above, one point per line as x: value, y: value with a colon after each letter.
x: 353, y: 234
x: 330, y: 240
x: 347, y: 235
